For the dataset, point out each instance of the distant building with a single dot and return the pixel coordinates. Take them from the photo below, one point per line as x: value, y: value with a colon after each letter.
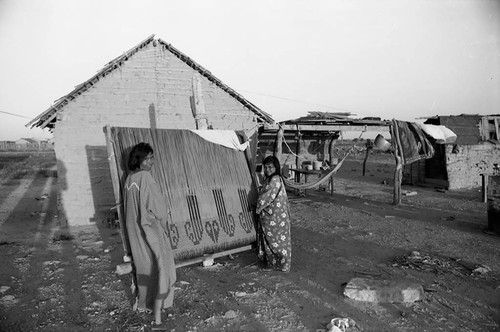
x: 459, y: 165
x: 27, y: 143
x: 7, y: 145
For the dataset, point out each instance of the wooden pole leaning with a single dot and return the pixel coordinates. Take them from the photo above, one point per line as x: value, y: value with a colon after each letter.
x: 297, y: 148
x: 278, y: 151
x: 115, y: 180
x: 369, y: 148
x: 200, y: 115
x: 331, y: 149
x: 398, y: 171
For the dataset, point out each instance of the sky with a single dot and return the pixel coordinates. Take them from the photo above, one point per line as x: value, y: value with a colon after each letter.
x: 394, y: 59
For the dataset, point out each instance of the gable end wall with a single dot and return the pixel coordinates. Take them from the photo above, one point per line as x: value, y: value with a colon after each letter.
x: 151, y: 89
x: 465, y: 166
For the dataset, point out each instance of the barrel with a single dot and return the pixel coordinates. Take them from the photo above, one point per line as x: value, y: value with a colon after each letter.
x: 494, y: 203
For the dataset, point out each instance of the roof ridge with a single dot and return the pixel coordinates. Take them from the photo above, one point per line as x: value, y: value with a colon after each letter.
x: 48, y: 116
x: 205, y: 72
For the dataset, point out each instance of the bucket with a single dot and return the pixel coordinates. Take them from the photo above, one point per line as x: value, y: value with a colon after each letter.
x: 317, y: 165
x: 381, y: 143
x: 308, y: 167
x: 494, y: 203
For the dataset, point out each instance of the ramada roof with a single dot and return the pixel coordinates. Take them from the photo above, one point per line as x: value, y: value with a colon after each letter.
x: 48, y: 118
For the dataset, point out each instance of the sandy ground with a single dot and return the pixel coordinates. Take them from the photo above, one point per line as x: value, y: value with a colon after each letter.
x: 58, y: 279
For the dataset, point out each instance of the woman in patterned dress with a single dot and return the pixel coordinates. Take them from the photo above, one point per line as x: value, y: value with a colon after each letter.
x: 146, y: 225
x: 275, y: 245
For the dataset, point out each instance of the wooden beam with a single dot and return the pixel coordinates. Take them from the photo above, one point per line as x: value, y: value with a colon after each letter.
x: 484, y: 186
x: 368, y: 150
x: 483, y: 129
x: 212, y: 256
x: 279, y: 144
x: 200, y: 115
x: 497, y: 129
x: 330, y: 159
x: 297, y: 150
x: 381, y: 128
x: 49, y: 119
x: 398, y: 171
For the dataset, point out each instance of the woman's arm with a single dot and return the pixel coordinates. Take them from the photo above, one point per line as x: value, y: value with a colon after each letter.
x: 154, y: 201
x: 153, y: 208
x: 268, y: 194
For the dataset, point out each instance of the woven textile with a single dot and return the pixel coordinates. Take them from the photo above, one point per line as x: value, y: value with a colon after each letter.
x: 206, y: 187
x: 412, y: 143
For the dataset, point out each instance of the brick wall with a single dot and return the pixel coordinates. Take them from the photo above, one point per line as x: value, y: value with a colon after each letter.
x: 465, y: 164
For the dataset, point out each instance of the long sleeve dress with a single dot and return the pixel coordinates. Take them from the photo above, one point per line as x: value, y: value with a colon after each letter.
x: 146, y: 225
x: 275, y: 244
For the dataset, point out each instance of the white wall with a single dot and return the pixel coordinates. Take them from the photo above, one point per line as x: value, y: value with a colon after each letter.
x: 152, y: 79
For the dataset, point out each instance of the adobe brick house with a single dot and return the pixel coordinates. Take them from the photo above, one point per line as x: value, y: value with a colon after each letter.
x: 459, y: 165
x: 153, y: 85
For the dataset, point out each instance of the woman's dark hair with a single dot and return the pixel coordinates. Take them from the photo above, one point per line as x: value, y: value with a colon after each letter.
x: 273, y: 160
x: 138, y: 154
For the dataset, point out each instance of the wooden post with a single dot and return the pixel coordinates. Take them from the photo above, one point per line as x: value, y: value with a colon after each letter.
x: 497, y: 128
x: 199, y: 113
x: 398, y: 171
x: 297, y: 161
x: 331, y: 148
x: 297, y: 148
x: 335, y: 137
x: 398, y: 174
x: 115, y: 180
x: 369, y: 147
x: 278, y: 150
x: 484, y: 186
x: 212, y: 256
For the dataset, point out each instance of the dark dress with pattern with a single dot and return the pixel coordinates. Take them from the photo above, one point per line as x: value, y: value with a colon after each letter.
x: 275, y: 244
x: 146, y: 224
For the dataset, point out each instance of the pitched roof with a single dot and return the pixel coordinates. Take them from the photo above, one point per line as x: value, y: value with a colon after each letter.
x: 48, y: 118
x: 333, y: 118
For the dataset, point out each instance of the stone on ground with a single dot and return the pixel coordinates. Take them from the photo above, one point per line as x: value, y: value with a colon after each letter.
x: 384, y: 291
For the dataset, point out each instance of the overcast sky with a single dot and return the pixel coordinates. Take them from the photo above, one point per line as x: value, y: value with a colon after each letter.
x: 399, y: 59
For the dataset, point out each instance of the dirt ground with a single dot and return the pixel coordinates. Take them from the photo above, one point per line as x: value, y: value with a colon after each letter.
x: 63, y: 279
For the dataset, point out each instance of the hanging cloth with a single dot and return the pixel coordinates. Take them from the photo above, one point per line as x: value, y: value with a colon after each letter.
x: 225, y: 138
x: 411, y: 141
x: 441, y: 134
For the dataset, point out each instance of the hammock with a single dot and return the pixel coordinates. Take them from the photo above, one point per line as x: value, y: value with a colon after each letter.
x: 320, y: 181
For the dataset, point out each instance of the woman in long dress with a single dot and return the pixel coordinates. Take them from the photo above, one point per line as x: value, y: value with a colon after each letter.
x: 146, y: 224
x: 275, y: 245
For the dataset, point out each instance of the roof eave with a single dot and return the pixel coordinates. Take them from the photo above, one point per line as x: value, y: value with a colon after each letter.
x: 51, y: 113
x: 263, y: 116
x: 48, y: 118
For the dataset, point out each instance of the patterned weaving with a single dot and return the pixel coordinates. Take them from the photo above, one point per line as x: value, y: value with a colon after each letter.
x: 207, y: 187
